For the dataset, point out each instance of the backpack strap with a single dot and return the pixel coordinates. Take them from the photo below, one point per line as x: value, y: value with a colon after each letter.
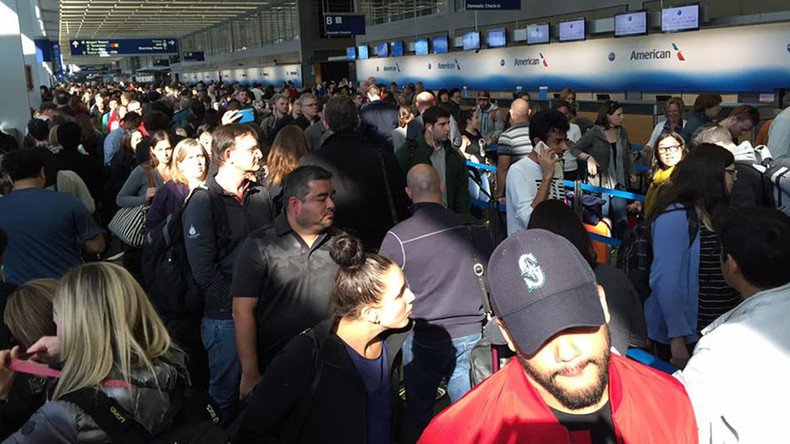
x: 307, y: 399
x: 693, y: 223
x: 109, y: 416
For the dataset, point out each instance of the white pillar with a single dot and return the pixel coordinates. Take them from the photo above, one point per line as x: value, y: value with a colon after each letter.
x: 15, y: 111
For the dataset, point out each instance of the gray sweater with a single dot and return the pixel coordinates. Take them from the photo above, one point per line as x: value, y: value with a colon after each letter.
x: 594, y: 143
x: 133, y: 190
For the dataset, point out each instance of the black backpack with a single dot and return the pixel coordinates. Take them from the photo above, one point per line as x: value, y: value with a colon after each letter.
x: 635, y: 254
x: 166, y: 272
x: 194, y: 418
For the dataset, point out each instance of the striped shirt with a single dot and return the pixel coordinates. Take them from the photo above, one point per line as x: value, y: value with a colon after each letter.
x: 715, y: 296
x: 515, y: 142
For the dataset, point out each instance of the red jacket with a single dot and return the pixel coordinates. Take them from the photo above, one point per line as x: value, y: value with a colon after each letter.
x: 647, y: 407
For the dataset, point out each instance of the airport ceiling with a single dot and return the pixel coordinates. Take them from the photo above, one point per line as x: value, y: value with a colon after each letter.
x: 70, y: 19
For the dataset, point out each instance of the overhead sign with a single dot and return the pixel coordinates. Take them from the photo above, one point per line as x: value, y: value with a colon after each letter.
x: 194, y: 56
x: 685, y: 62
x: 493, y: 4
x: 121, y: 47
x: 344, y: 25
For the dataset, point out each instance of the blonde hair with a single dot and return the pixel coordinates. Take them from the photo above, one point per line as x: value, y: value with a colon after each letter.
x: 108, y: 327
x: 288, y: 147
x: 179, y: 154
x: 28, y: 312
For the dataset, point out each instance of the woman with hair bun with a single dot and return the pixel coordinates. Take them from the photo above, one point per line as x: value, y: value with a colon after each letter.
x: 336, y: 382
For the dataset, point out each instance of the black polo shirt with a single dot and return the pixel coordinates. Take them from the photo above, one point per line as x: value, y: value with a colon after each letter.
x: 293, y: 282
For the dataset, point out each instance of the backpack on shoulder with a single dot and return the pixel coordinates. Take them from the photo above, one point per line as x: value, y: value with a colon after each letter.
x: 778, y: 177
x: 166, y: 272
x: 635, y: 255
x: 194, y: 420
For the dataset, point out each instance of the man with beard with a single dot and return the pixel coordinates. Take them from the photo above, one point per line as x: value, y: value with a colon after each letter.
x: 284, y: 275
x: 565, y: 386
x: 212, y: 246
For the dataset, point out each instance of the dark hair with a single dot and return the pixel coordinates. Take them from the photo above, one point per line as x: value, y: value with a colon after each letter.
x: 699, y: 181
x: 562, y: 104
x: 678, y: 138
x: 297, y: 183
x: 205, y: 127
x: 607, y: 108
x: 555, y: 216
x: 432, y: 115
x: 126, y: 139
x: 69, y: 135
x: 359, y: 280
x: 546, y: 121
x: 341, y: 114
x: 746, y: 112
x: 465, y: 117
x: 454, y: 90
x: 155, y: 121
x: 442, y: 92
x: 131, y: 120
x: 38, y: 129
x: 706, y: 100
x: 224, y: 138
x: 23, y: 164
x: 157, y: 137
x: 759, y: 240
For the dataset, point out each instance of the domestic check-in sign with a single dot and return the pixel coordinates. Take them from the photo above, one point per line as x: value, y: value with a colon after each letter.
x: 344, y: 25
x: 122, y: 47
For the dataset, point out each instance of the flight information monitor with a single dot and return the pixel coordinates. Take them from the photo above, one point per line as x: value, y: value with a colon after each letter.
x: 440, y: 44
x: 421, y: 46
x: 396, y: 48
x: 471, y: 40
x: 680, y: 18
x: 572, y: 30
x: 351, y: 53
x: 362, y: 52
x: 538, y: 34
x: 497, y: 38
x: 383, y: 50
x: 630, y: 23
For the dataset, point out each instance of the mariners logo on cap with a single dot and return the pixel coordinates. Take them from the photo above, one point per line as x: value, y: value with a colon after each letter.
x: 531, y: 271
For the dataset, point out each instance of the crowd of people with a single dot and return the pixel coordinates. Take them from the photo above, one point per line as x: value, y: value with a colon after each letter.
x: 238, y: 263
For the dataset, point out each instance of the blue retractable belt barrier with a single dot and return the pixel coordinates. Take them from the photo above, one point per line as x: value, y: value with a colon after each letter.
x: 480, y: 166
x: 615, y: 193
x: 607, y: 240
x: 646, y: 358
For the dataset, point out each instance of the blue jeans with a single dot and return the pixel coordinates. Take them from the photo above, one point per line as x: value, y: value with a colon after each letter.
x: 426, y: 363
x: 219, y: 338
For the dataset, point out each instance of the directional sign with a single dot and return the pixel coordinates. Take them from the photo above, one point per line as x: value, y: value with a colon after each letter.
x: 344, y: 25
x: 113, y: 47
x: 493, y: 4
x: 194, y: 56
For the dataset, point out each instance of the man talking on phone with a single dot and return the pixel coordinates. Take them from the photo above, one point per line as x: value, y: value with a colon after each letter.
x: 538, y: 176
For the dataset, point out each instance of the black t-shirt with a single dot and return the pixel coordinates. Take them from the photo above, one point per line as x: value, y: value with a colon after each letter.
x: 592, y: 428
x: 293, y: 282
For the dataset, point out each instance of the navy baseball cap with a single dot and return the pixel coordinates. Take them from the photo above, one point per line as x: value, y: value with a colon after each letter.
x: 540, y: 285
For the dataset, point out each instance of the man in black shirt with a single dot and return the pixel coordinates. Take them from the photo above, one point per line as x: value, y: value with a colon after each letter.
x: 284, y: 275
x: 212, y: 246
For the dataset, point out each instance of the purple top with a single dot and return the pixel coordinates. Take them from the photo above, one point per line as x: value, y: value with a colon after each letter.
x: 169, y: 199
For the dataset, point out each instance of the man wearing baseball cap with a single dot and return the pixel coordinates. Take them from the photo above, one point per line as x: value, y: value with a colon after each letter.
x: 565, y: 386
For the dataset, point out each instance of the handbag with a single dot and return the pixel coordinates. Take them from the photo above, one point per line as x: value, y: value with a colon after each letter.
x: 486, y: 355
x: 128, y: 224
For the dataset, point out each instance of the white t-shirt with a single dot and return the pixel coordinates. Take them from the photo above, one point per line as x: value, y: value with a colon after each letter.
x: 574, y: 134
x: 521, y: 186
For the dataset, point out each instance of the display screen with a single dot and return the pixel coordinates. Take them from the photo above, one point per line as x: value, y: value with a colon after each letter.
x: 440, y: 45
x: 680, y: 18
x: 538, y: 34
x: 632, y: 23
x: 362, y: 52
x: 421, y: 46
x: 396, y: 48
x: 572, y: 30
x: 383, y: 50
x: 471, y: 40
x: 351, y: 53
x: 497, y: 38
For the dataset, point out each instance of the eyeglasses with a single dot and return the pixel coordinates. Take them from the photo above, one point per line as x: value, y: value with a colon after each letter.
x: 671, y: 149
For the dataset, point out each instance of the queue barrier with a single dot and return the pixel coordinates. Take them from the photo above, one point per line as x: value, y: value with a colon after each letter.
x: 615, y: 243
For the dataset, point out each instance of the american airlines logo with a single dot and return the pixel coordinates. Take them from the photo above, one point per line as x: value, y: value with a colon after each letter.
x: 657, y: 54
x: 532, y: 61
x: 449, y: 65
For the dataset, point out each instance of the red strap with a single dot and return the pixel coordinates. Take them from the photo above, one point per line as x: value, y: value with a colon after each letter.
x: 32, y: 368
